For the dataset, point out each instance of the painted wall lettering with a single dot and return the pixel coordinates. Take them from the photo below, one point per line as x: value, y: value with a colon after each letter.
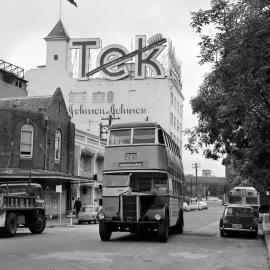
x: 113, y: 110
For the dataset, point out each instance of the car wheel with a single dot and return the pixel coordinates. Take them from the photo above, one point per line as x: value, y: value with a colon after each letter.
x: 79, y: 222
x: 89, y: 222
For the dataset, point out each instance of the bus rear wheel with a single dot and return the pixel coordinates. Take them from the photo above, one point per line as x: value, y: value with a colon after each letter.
x: 163, y: 229
x: 105, y: 231
x: 38, y: 224
x: 11, y: 225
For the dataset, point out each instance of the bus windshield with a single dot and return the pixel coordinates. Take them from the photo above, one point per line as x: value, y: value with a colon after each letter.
x: 122, y: 136
x: 144, y: 136
x: 116, y: 180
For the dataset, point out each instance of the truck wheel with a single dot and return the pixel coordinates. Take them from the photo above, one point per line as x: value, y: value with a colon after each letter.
x: 105, y: 231
x: 163, y: 230
x: 37, y: 224
x: 11, y: 224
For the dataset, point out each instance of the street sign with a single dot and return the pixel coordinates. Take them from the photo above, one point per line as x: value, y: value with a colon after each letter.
x: 58, y: 188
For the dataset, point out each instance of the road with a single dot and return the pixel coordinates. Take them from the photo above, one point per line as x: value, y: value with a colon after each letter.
x: 79, y: 247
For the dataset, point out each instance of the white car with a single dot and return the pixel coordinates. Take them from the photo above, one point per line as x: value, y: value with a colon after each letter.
x: 186, y: 207
x: 203, y: 205
x: 194, y: 206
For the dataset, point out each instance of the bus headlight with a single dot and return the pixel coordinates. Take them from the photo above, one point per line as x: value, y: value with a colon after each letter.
x: 157, y: 216
x: 101, y: 216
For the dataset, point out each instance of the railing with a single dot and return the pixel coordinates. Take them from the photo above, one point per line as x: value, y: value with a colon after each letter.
x: 10, y: 68
x: 11, y: 201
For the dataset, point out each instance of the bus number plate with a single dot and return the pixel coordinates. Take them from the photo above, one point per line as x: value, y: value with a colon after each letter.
x: 130, y: 156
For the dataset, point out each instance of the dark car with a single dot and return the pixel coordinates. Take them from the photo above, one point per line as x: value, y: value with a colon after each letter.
x: 238, y: 218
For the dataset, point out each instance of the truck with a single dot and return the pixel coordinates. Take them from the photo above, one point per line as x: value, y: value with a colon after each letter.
x: 21, y: 205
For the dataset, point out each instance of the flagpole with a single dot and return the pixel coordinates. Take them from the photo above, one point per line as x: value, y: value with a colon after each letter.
x: 60, y: 9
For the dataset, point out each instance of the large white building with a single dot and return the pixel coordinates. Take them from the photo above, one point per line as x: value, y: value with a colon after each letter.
x: 147, y: 87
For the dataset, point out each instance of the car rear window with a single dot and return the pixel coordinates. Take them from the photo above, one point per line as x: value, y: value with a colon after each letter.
x: 88, y: 209
x: 233, y: 211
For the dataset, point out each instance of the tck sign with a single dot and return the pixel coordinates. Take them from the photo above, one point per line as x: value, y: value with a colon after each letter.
x: 119, y: 54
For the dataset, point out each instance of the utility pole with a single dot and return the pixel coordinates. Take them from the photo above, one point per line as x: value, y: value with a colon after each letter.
x: 103, y: 129
x: 196, y: 166
x: 191, y: 188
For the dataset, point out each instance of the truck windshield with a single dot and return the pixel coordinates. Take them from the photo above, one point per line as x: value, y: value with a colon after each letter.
x: 116, y: 180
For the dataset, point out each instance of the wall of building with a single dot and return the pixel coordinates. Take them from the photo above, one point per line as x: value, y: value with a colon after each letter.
x: 14, y: 88
x: 89, y: 160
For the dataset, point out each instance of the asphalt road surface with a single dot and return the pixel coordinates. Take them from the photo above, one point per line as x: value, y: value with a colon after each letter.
x: 80, y: 248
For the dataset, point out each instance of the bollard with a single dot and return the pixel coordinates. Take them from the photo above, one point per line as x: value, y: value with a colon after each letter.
x: 70, y: 216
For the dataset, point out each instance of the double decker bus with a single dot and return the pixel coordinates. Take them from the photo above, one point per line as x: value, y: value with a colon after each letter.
x: 243, y: 195
x: 142, y: 182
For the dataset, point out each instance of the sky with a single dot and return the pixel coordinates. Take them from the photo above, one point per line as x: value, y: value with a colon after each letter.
x: 24, y: 24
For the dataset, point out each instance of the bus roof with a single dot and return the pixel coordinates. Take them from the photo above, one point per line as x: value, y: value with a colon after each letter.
x: 134, y: 125
x: 245, y: 188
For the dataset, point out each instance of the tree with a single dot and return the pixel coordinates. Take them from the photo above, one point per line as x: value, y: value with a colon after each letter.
x: 233, y: 102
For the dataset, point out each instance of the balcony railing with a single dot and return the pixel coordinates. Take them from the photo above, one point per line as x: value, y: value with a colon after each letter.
x: 10, y: 68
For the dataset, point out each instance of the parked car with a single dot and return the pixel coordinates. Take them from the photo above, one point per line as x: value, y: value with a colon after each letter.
x: 238, y: 218
x: 203, y: 204
x: 186, y: 207
x: 88, y: 213
x: 194, y: 206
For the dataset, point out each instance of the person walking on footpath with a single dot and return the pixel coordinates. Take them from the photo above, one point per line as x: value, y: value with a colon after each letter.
x: 77, y: 206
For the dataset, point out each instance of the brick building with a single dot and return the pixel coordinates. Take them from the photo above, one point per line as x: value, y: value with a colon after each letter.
x: 37, y: 143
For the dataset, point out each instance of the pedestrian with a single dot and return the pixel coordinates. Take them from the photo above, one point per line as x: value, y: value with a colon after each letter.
x: 77, y: 206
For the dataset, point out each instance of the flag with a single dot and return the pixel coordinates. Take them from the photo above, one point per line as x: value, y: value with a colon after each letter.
x: 72, y: 2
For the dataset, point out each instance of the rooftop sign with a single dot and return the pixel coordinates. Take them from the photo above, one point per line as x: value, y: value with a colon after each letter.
x: 112, y: 60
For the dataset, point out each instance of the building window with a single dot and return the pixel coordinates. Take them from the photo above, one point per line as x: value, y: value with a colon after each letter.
x: 26, y: 144
x: 171, y: 119
x: 78, y: 97
x: 98, y: 97
x: 171, y: 99
x: 110, y: 97
x: 57, y: 147
x: 55, y: 57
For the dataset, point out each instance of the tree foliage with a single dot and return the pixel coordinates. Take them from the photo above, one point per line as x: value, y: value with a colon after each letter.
x: 233, y: 102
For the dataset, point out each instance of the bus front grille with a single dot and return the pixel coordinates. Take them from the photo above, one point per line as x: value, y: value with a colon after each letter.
x: 129, y: 208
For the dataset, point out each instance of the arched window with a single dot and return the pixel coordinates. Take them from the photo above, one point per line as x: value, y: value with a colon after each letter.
x: 57, y: 147
x: 26, y: 144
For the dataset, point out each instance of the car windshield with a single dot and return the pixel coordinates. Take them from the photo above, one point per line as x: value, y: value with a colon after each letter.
x: 241, y: 211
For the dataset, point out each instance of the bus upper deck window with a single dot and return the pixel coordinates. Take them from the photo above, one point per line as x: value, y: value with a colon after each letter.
x: 144, y: 136
x: 120, y: 136
x: 160, y: 137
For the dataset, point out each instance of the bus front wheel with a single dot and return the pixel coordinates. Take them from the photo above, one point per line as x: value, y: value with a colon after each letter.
x: 105, y: 231
x: 163, y: 230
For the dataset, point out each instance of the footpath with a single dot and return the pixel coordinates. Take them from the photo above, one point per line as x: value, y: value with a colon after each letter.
x: 266, y: 233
